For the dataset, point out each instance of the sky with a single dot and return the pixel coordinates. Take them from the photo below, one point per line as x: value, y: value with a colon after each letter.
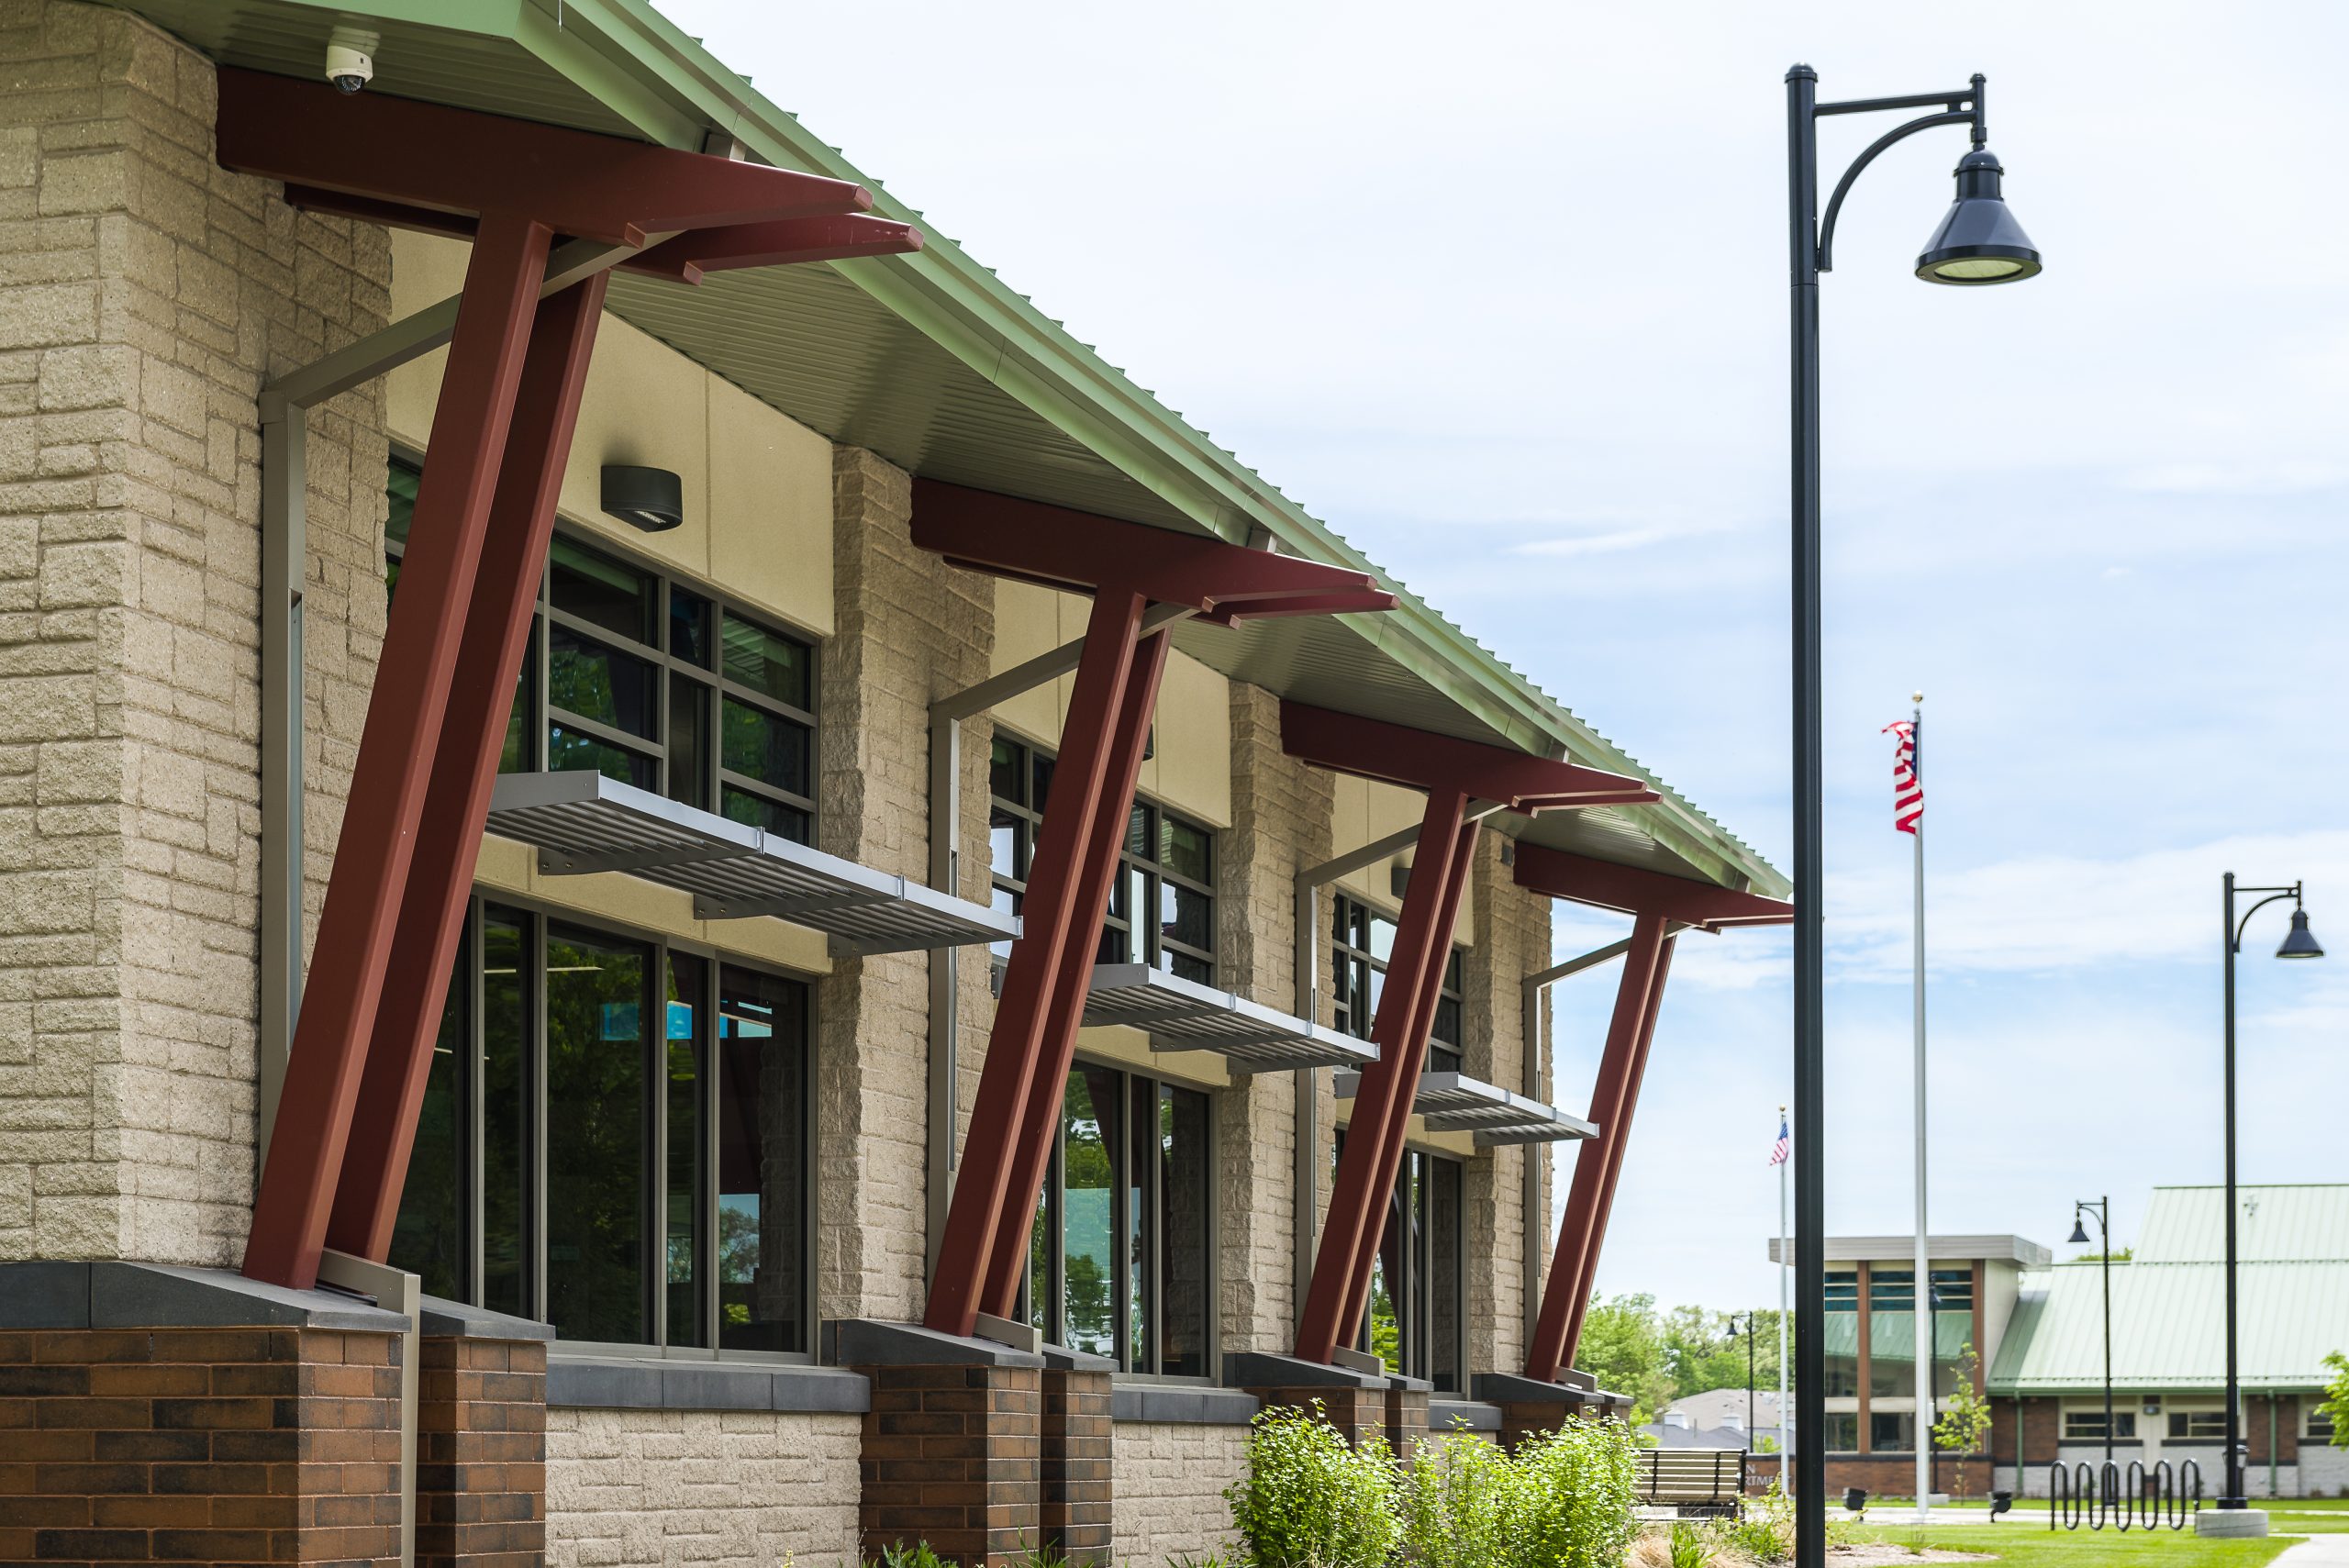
x: 1498, y: 292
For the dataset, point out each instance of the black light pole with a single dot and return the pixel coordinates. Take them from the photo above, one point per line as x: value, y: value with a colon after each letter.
x: 1977, y: 242
x: 2298, y: 943
x: 1749, y: 1373
x: 2103, y: 1208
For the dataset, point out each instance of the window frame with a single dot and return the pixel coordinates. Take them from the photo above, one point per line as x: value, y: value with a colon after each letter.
x: 2087, y: 1425
x: 667, y: 666
x: 1053, y: 1201
x: 1352, y: 919
x: 470, y: 1092
x: 2178, y: 1425
x: 1008, y: 888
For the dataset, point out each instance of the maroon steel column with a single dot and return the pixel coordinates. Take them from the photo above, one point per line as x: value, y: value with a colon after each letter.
x: 1047, y: 916
x: 1398, y: 1110
x: 1039, y: 1120
x: 1577, y: 1240
x: 1617, y: 1146
x: 472, y: 735
x: 1382, y: 1101
x: 393, y: 770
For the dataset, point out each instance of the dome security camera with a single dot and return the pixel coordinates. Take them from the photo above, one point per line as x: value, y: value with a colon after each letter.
x: 350, y: 59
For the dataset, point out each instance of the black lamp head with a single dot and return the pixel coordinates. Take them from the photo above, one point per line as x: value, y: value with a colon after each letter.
x: 2298, y: 942
x: 1978, y: 241
x: 2079, y: 1231
x: 652, y: 499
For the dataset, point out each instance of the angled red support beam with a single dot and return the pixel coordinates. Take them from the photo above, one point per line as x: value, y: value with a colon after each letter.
x: 1041, y: 1118
x: 1559, y: 873
x: 1388, y: 1143
x: 392, y: 774
x: 1416, y: 758
x: 1383, y: 1099
x: 458, y: 160
x: 984, y: 1203
x: 1079, y: 551
x: 473, y: 734
x: 1636, y: 996
x: 1618, y: 1143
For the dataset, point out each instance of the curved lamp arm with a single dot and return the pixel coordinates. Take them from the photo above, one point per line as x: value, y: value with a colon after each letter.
x: 2292, y: 892
x: 1844, y: 185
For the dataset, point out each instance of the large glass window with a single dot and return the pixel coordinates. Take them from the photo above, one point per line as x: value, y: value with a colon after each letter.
x: 1161, y: 906
x: 614, y: 1140
x: 1952, y: 1326
x: 1892, y: 1333
x: 2087, y: 1425
x: 1841, y: 1343
x: 1418, y: 1282
x: 1363, y: 943
x: 1119, y: 1264
x: 655, y: 683
x: 1842, y: 1431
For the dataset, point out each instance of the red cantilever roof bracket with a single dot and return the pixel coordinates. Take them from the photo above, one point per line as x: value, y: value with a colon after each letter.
x: 1558, y: 874
x: 1030, y: 541
x: 1418, y: 759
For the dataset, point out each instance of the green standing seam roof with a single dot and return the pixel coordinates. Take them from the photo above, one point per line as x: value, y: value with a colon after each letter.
x: 934, y: 363
x: 2169, y: 1300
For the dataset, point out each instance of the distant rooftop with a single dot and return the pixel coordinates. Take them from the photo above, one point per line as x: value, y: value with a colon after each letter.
x: 1938, y: 1249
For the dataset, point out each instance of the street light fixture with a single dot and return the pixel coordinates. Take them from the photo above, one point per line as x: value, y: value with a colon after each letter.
x: 2103, y: 1209
x: 1978, y: 242
x: 2298, y: 943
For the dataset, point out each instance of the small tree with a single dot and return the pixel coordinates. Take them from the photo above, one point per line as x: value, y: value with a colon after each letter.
x: 2336, y: 1397
x: 1965, y: 1415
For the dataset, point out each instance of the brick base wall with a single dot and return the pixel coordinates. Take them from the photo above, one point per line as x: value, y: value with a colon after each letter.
x: 950, y: 1458
x: 1074, y: 1466
x: 199, y: 1445
x: 1895, y: 1474
x: 1520, y: 1421
x: 481, y: 1453
x: 1407, y: 1419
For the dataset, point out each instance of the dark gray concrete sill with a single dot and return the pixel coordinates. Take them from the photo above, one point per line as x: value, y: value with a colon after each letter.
x: 1196, y: 1405
x: 1257, y: 1369
x: 1459, y: 1414
x: 657, y: 1382
x: 106, y: 1294
x: 455, y: 1319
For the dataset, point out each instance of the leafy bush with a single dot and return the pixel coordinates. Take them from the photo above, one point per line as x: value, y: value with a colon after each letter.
x: 1310, y: 1500
x: 1459, y: 1503
x: 1577, y: 1488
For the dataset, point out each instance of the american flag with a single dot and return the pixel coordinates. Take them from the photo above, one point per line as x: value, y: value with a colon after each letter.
x: 1908, y: 787
x: 1779, y: 1151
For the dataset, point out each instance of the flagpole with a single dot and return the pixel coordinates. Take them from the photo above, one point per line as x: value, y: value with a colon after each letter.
x: 1925, y: 1296
x: 1786, y: 1428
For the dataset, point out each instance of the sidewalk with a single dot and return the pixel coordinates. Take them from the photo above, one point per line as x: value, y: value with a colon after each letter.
x: 2317, y: 1551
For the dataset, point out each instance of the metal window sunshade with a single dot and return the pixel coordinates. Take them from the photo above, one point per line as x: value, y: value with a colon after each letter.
x: 1183, y: 1015
x: 1454, y: 1102
x: 582, y: 822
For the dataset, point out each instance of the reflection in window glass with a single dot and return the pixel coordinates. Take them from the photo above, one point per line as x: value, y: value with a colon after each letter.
x: 429, y: 1238
x: 1891, y: 1431
x: 761, y: 746
x: 1446, y: 1288
x: 767, y: 662
x: 592, y: 681
x: 574, y: 751
x: 1842, y: 1431
x: 1089, y: 1154
x: 597, y: 589
x: 1412, y: 1321
x: 1185, y: 1320
x: 682, y: 1036
x: 1841, y: 1343
x: 507, y: 1095
x: 762, y: 1159
x: 597, y: 1116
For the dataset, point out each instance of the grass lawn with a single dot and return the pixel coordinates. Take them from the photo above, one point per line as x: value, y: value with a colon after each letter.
x: 2037, y: 1547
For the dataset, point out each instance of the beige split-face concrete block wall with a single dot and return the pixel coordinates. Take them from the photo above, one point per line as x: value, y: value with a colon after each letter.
x: 1169, y: 1499
x: 732, y: 1486
x: 145, y: 294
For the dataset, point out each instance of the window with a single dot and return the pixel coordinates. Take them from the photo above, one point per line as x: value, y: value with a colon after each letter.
x: 654, y: 683
x: 2320, y: 1422
x: 1892, y: 1431
x: 1418, y: 1281
x: 1362, y: 944
x: 2087, y: 1425
x: 2197, y: 1426
x: 1166, y: 869
x: 1119, y: 1262
x: 1842, y: 1431
x: 614, y: 1140
x: 1842, y: 1345
x: 1892, y: 1332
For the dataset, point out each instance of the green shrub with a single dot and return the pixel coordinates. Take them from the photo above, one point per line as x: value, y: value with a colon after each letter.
x: 1577, y: 1488
x: 1688, y: 1546
x: 1459, y: 1500
x: 1309, y: 1500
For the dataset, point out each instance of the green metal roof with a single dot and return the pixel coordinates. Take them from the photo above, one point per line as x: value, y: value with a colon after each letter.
x: 935, y: 364
x: 2169, y: 1300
